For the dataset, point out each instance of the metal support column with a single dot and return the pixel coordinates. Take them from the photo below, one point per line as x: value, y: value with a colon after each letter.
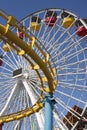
x: 49, y: 102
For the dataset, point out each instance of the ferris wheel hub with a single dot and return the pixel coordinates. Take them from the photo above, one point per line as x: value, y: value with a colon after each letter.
x: 22, y: 73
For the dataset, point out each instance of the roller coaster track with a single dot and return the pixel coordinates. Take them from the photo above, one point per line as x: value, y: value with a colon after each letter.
x: 46, y: 64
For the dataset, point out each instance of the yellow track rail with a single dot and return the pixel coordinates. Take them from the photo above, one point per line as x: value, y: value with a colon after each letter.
x: 21, y: 114
x: 5, y: 32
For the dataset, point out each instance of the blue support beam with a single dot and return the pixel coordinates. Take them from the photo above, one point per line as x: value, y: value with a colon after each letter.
x: 49, y: 112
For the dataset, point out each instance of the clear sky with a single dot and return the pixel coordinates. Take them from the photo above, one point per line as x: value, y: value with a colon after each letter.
x: 21, y: 8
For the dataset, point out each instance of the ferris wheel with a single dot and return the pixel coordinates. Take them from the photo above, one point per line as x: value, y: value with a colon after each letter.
x: 43, y: 71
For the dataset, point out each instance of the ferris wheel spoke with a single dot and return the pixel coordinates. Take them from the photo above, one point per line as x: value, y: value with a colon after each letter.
x: 69, y: 37
x: 8, y: 64
x: 57, y: 44
x: 9, y: 99
x: 72, y: 56
x: 69, y: 54
x: 73, y: 69
x: 67, y: 120
x: 18, y: 101
x: 8, y: 82
x: 6, y: 76
x: 59, y: 121
x: 6, y: 87
x: 35, y: 88
x: 47, y: 36
x: 30, y: 92
x: 4, y: 97
x: 73, y: 64
x: 65, y: 32
x: 75, y: 125
x: 6, y: 94
x: 12, y: 106
x: 21, y: 61
x: 72, y: 97
x: 27, y: 99
x: 9, y: 57
x: 33, y: 100
x: 73, y: 73
x: 18, y: 125
x: 6, y: 69
x: 10, y: 60
x: 70, y: 45
x: 46, y: 27
x: 67, y: 108
x: 76, y: 86
x: 14, y: 58
x: 54, y: 35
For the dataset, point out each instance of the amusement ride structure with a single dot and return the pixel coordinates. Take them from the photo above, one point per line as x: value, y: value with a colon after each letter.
x: 43, y: 71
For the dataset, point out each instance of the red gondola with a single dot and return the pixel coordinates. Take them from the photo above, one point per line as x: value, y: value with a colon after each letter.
x: 1, y: 61
x: 51, y: 17
x: 81, y: 30
x: 1, y: 125
x: 20, y: 34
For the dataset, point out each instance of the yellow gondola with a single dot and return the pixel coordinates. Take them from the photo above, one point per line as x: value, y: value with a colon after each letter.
x: 7, y: 47
x: 68, y: 22
x: 35, y: 23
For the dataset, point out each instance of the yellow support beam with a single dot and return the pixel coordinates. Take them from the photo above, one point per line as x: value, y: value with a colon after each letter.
x: 36, y: 67
x: 32, y: 42
x: 46, y: 57
x: 21, y: 114
x: 3, y: 15
x: 53, y: 88
x: 11, y: 21
x: 21, y: 52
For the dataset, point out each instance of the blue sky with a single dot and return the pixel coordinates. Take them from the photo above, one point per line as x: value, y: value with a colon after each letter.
x: 21, y: 8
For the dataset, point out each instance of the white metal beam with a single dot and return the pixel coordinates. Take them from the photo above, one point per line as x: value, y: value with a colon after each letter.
x: 8, y: 101
x: 61, y: 125
x: 33, y: 99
